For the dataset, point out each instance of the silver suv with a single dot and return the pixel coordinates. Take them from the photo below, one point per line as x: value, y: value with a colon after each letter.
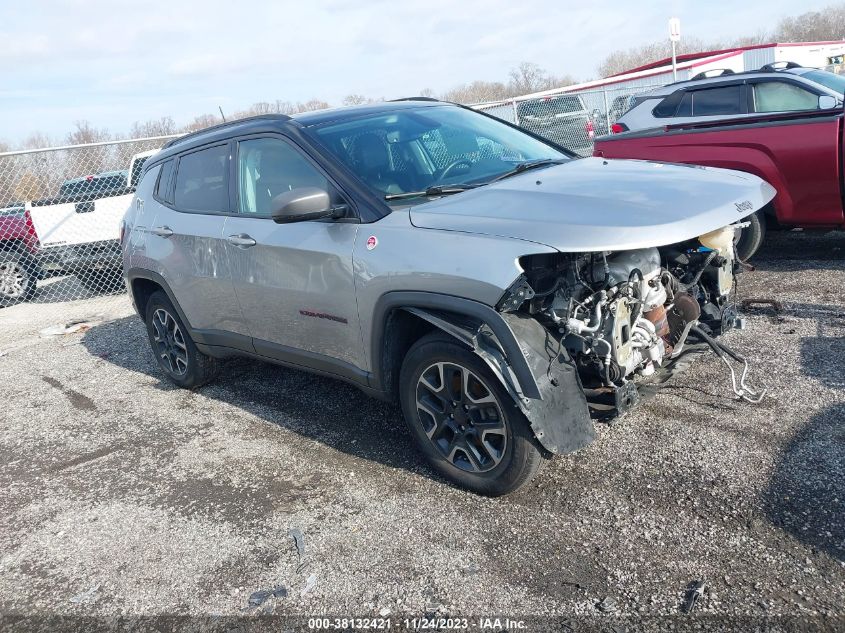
x: 505, y: 293
x: 729, y: 95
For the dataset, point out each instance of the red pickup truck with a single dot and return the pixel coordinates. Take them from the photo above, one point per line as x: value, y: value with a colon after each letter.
x: 19, y: 267
x: 799, y: 153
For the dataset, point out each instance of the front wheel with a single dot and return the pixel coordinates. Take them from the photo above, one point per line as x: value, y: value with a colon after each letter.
x: 464, y: 421
x: 749, y: 239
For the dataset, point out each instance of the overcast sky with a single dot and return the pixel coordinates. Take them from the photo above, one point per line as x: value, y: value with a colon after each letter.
x: 115, y: 62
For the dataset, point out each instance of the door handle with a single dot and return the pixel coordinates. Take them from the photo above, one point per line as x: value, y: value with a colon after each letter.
x: 241, y: 240
x: 162, y: 231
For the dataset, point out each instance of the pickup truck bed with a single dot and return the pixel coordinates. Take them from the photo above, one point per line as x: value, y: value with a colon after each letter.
x: 799, y: 153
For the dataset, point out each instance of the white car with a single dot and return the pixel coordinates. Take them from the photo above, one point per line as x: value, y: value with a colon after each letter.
x: 729, y: 95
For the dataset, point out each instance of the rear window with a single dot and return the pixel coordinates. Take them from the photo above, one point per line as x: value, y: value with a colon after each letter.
x: 724, y: 100
x: 716, y: 101
x: 97, y: 185
x: 162, y: 191
x: 546, y: 107
x: 202, y: 180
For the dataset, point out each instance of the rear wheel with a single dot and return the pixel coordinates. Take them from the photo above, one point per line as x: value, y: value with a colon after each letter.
x: 749, y: 239
x: 464, y: 421
x: 175, y: 351
x: 18, y: 277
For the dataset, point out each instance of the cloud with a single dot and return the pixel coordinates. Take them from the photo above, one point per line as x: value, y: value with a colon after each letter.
x: 123, y: 60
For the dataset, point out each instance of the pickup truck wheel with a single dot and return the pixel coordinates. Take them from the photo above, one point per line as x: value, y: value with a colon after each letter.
x: 175, y: 351
x: 18, y: 277
x: 101, y: 281
x: 464, y: 421
x: 749, y: 239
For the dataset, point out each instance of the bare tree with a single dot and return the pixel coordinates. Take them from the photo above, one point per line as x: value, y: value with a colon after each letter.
x: 477, y: 92
x: 813, y: 26
x: 528, y: 77
x: 87, y: 133
x: 355, y: 99
x: 201, y: 122
x: 154, y: 127
x: 312, y: 104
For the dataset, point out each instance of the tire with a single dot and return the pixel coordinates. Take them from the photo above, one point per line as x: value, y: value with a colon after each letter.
x: 175, y: 351
x: 751, y: 237
x: 18, y: 277
x: 101, y: 281
x: 505, y: 458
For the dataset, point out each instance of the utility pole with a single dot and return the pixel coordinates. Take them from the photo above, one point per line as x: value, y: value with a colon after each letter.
x: 674, y: 37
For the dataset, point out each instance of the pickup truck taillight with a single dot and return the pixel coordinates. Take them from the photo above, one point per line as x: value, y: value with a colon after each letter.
x: 618, y: 128
x: 32, y: 236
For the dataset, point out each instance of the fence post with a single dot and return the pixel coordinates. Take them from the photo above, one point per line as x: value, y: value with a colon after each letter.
x: 606, y: 109
x: 515, y: 117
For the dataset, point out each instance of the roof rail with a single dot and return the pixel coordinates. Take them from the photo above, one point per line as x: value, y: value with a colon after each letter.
x: 774, y: 66
x: 716, y: 72
x: 225, y: 124
x: 416, y: 99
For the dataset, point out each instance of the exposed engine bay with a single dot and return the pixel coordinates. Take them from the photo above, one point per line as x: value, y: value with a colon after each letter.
x: 629, y: 313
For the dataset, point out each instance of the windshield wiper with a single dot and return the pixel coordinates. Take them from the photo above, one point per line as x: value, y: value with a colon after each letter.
x: 435, y: 190
x: 529, y: 164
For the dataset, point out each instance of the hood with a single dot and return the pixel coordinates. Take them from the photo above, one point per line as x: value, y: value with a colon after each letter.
x: 596, y: 204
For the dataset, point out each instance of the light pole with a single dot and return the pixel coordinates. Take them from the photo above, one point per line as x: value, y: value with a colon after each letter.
x: 674, y: 37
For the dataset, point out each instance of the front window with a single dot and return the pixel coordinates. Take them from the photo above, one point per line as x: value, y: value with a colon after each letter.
x: 415, y: 149
x: 779, y: 96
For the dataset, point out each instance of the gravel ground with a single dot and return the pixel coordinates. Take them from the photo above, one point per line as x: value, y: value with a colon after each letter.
x: 122, y: 495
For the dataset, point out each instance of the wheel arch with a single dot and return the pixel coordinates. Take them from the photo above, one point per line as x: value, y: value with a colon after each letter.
x: 401, y: 318
x: 142, y: 284
x: 535, y: 370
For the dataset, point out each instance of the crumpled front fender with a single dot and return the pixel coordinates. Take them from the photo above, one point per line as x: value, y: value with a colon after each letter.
x: 559, y: 417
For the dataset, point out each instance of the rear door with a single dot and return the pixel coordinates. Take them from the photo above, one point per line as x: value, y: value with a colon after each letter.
x: 294, y: 281
x: 186, y: 243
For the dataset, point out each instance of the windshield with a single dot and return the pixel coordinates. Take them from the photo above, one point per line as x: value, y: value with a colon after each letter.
x: 416, y: 149
x: 829, y: 80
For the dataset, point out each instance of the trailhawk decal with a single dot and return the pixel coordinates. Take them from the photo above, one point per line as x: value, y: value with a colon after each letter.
x: 323, y: 315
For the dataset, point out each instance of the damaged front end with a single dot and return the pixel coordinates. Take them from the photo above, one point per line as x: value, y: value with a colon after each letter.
x: 620, y: 317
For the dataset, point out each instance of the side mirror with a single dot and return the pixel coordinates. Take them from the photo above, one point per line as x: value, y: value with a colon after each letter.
x: 826, y: 102
x: 301, y: 205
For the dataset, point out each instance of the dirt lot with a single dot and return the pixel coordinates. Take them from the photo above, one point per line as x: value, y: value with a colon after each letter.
x: 122, y: 495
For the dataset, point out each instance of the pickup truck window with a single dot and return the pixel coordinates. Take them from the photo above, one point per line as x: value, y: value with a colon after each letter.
x: 268, y: 167
x: 779, y: 96
x: 724, y: 100
x: 202, y: 180
x: 550, y: 107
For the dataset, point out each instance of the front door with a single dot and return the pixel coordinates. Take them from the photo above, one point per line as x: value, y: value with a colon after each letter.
x: 294, y: 281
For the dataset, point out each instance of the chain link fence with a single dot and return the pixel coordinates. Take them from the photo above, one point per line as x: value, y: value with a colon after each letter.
x: 60, y: 212
x: 571, y: 119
